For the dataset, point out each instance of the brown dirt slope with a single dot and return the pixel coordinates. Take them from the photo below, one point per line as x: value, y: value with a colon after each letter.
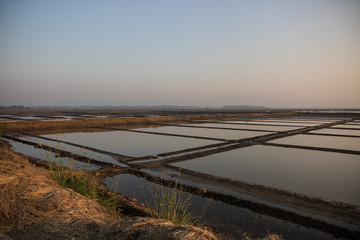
x: 33, y: 206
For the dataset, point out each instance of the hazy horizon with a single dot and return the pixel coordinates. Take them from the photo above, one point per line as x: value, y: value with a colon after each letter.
x: 279, y: 54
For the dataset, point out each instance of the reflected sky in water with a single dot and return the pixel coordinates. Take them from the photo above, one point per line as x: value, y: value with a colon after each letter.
x: 226, y: 218
x: 353, y: 125
x: 205, y: 132
x: 333, y: 176
x: 321, y: 141
x: 254, y: 127
x: 131, y: 143
x: 339, y: 132
x: 48, y: 156
x: 302, y: 124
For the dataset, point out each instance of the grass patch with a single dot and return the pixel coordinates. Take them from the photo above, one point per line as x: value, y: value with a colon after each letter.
x: 171, y: 203
x: 83, y: 184
x: 168, y: 202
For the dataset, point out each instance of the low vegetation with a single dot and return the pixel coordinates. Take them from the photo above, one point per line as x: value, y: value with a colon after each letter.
x: 172, y: 204
x: 116, y: 121
x: 33, y: 206
x: 84, y: 185
x: 169, y: 203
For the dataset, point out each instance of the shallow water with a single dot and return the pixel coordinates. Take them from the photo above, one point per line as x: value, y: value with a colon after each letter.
x: 338, y: 131
x: 333, y: 176
x: 303, y: 124
x: 31, y: 118
x: 188, y: 179
x: 76, y: 150
x: 224, y: 217
x: 250, y: 127
x: 48, y: 156
x: 131, y: 143
x: 70, y: 117
x: 346, y: 143
x: 347, y: 126
x: 298, y: 120
x: 227, y: 134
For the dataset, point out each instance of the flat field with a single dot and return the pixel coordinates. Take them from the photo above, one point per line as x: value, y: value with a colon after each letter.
x: 286, y: 172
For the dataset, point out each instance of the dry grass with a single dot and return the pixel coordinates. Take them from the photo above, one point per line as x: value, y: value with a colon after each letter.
x: 82, y: 183
x: 29, y: 195
x: 149, y: 228
x: 117, y: 121
x: 78, y: 123
x: 33, y: 206
x: 171, y: 203
x: 270, y: 236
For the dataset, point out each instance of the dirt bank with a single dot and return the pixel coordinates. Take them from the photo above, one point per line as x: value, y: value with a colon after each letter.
x: 33, y: 206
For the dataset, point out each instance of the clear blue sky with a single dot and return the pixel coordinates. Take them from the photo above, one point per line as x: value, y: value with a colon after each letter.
x: 277, y: 53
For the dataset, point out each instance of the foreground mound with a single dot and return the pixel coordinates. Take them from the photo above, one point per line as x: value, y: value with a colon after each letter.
x: 33, y: 206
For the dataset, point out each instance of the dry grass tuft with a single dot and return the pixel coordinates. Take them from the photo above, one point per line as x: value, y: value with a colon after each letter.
x: 28, y: 195
x: 171, y: 203
x: 33, y: 206
x: 149, y: 228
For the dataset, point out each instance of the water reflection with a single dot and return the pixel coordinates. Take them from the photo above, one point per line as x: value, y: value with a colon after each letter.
x: 347, y: 126
x: 48, y: 156
x: 338, y: 131
x: 205, y: 132
x: 223, y: 217
x: 76, y: 150
x: 131, y: 143
x: 327, y: 175
x: 321, y: 141
x: 250, y: 127
x: 303, y: 124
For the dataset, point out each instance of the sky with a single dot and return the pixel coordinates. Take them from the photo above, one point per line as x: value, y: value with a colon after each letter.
x: 275, y: 53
